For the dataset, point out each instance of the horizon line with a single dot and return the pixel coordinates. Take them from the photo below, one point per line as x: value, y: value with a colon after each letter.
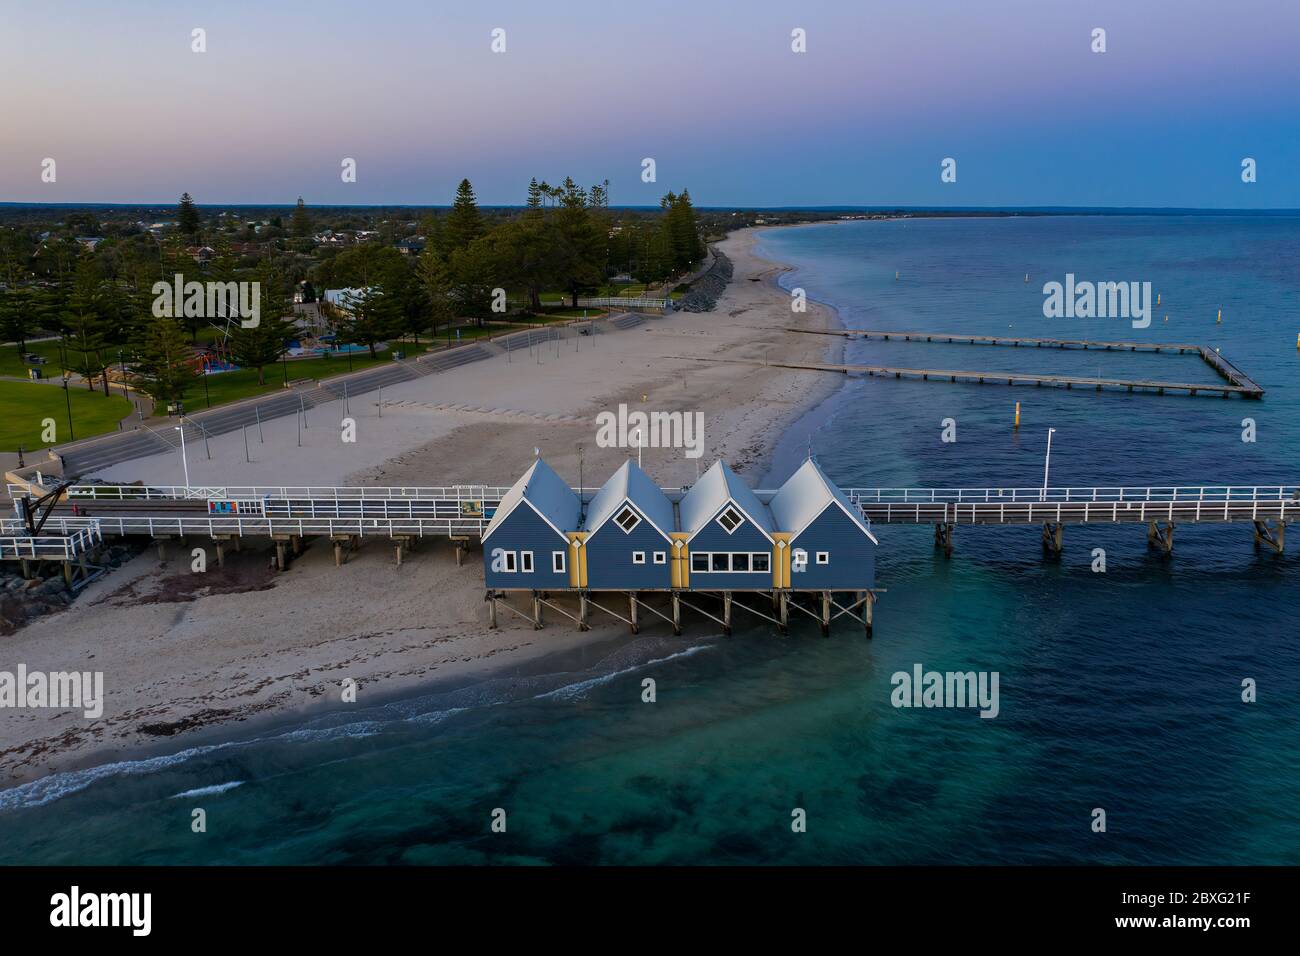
x: 822, y: 207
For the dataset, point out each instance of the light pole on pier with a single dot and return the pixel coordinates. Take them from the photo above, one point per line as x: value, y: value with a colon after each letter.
x: 1047, y: 461
x: 185, y: 464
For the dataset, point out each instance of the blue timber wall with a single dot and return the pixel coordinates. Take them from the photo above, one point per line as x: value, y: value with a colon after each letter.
x: 524, y: 530
x: 609, y: 557
x: 714, y: 537
x: 852, y: 564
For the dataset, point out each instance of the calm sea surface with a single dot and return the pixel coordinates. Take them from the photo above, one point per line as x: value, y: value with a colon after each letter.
x: 1118, y: 690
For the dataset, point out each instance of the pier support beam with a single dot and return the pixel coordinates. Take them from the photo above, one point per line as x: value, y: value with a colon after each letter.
x: 281, y: 559
x: 868, y: 615
x: 1053, y: 532
x: 1274, y: 536
x: 943, y: 538
x: 537, y: 611
x: 583, y: 612
x: 1161, y: 537
x: 492, y: 609
x: 677, y: 614
x: 783, y: 611
x: 726, y: 612
x: 826, y: 614
x: 462, y: 545
x: 632, y: 615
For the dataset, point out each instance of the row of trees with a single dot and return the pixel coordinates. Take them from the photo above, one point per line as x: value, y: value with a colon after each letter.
x: 100, y: 302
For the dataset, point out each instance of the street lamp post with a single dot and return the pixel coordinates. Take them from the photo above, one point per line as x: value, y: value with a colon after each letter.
x: 185, y: 464
x: 1047, y: 461
x: 67, y: 397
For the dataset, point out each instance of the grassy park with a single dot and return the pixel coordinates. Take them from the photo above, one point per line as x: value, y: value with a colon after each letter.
x: 25, y: 406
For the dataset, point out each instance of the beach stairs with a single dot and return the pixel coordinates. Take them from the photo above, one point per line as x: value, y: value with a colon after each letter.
x: 627, y: 321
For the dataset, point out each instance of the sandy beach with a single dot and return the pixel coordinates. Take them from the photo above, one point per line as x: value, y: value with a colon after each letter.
x: 181, y: 652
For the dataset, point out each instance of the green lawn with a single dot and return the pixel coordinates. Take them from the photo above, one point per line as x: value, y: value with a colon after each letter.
x: 11, y: 362
x: 24, y: 406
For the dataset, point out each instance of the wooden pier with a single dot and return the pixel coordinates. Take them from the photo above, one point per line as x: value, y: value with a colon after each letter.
x: 81, y: 516
x: 1236, y: 381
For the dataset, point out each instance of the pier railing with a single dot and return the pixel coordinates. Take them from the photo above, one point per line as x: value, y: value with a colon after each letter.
x: 1123, y: 494
x: 61, y: 539
x: 300, y: 492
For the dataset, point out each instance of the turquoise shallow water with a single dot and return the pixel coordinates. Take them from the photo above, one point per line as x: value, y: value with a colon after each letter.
x: 1118, y: 690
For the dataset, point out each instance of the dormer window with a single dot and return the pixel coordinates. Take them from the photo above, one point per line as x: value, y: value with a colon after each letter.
x: 730, y: 520
x: 627, y: 519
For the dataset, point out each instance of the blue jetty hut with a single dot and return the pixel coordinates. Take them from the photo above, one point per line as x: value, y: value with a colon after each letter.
x: 527, y: 544
x: 728, y: 534
x: 628, y: 534
x: 830, y: 544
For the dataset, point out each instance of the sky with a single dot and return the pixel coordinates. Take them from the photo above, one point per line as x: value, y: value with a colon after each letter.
x: 711, y: 90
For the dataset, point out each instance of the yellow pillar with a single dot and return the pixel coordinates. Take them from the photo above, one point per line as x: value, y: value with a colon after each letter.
x: 781, y: 559
x: 681, y: 559
x: 577, y: 559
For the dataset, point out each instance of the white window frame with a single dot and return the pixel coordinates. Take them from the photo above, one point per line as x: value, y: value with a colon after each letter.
x: 638, y: 557
x: 732, y: 511
x: 526, y: 562
x: 661, y: 557
x: 559, y: 563
x: 730, y: 568
x: 512, y: 562
x: 823, y: 557
x: 627, y: 510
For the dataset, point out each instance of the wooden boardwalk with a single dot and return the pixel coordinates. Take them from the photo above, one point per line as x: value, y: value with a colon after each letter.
x: 1237, y: 382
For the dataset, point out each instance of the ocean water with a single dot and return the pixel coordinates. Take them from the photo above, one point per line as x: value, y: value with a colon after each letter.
x: 1119, y: 691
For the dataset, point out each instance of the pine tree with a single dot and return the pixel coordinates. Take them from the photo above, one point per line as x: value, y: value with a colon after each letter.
x: 16, y: 315
x: 264, y: 343
x: 464, y: 222
x: 435, y: 279
x: 187, y: 215
x: 300, y: 224
x: 260, y: 345
x: 84, y: 336
x: 369, y: 317
x: 164, y: 368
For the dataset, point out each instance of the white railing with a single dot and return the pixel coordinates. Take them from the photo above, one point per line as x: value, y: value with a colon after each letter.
x: 622, y: 302
x: 322, y: 492
x: 75, y: 537
x: 258, y: 525
x: 1191, y: 493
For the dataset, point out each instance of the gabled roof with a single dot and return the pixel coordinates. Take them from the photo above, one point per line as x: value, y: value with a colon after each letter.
x: 805, y: 495
x: 711, y: 491
x: 546, y: 493
x: 632, y: 484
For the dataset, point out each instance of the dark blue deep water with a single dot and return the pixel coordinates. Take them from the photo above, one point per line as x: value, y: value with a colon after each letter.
x: 1119, y: 690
